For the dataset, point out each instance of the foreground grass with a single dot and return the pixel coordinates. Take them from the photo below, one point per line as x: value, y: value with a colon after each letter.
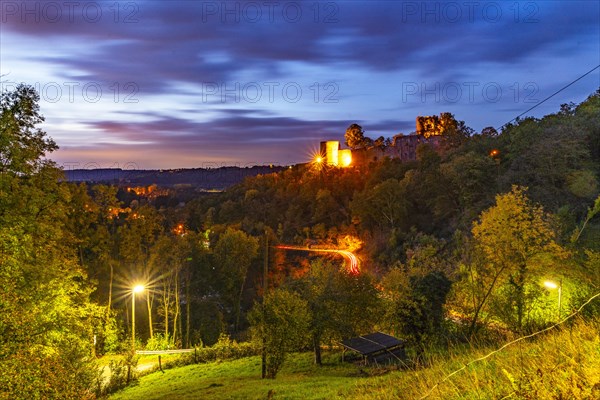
x: 562, y: 364
x: 240, y: 379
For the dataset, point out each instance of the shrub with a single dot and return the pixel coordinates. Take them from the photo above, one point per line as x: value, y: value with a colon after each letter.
x: 121, y: 373
x: 33, y: 375
x: 281, y: 324
x: 159, y: 342
x: 226, y: 349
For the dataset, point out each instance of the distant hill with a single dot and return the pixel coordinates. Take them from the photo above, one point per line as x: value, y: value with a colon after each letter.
x: 203, y: 178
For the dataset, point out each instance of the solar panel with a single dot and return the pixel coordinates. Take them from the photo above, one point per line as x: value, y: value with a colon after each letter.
x: 372, y: 343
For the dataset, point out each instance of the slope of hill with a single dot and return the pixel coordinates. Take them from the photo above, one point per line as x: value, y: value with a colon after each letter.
x: 560, y: 364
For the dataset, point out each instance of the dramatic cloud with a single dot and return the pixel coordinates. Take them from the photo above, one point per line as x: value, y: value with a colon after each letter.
x: 239, y: 80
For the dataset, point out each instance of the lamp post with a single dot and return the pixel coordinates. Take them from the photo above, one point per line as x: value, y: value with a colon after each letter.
x: 134, y: 290
x: 495, y: 154
x: 553, y: 285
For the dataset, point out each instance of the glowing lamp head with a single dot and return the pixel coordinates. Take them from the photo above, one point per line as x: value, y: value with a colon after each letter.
x: 550, y: 285
x: 494, y: 153
x: 318, y: 159
x: 138, y: 288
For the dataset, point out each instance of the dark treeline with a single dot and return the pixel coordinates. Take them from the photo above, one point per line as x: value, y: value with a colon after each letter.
x: 454, y: 245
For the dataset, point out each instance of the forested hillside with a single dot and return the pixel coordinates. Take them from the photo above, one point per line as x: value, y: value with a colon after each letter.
x: 453, y: 246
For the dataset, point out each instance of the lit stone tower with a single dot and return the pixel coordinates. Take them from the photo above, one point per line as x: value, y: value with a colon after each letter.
x: 333, y: 156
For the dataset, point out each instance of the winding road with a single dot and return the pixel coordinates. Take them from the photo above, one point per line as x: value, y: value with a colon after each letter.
x: 351, y: 259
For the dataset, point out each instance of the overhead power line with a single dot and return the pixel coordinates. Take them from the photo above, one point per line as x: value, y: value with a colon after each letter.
x: 549, y: 97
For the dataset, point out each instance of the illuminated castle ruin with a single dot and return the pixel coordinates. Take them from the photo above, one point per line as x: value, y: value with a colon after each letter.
x: 431, y: 126
x: 332, y: 155
x: 429, y: 130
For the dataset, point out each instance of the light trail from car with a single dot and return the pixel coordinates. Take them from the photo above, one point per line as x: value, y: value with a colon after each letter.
x: 351, y: 259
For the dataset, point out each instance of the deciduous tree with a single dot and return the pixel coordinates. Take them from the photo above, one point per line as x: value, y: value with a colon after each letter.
x: 46, y: 319
x: 234, y: 253
x: 281, y: 323
x: 517, y: 242
x: 355, y: 137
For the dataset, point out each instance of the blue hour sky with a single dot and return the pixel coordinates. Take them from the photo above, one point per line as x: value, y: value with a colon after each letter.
x: 174, y: 84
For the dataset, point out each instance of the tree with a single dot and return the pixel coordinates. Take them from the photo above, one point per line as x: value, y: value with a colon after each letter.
x: 355, y: 137
x: 281, y: 323
x: 103, y: 242
x: 136, y: 238
x: 93, y: 227
x: 358, y: 306
x: 380, y: 143
x: 46, y: 320
x: 554, y: 158
x: 468, y: 178
x: 234, y: 253
x: 517, y: 242
x: 415, y: 292
x: 384, y: 205
x: 453, y: 132
x: 22, y: 144
x: 167, y: 258
x: 321, y: 292
x: 489, y: 132
x: 419, y: 311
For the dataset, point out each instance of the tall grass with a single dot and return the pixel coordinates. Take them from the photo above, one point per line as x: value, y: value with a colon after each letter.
x: 561, y: 364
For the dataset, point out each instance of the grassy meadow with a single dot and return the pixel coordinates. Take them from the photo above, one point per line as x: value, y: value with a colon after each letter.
x: 561, y: 364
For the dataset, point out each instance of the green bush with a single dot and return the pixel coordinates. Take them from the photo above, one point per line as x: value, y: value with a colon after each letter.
x: 112, y: 342
x: 121, y: 373
x: 160, y: 342
x: 33, y: 375
x: 226, y: 349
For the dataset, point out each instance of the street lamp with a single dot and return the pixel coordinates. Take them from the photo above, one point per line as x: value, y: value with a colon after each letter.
x: 495, y: 155
x: 554, y: 285
x: 134, y: 290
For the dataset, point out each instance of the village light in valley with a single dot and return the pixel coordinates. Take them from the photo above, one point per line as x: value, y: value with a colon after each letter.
x: 179, y: 230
